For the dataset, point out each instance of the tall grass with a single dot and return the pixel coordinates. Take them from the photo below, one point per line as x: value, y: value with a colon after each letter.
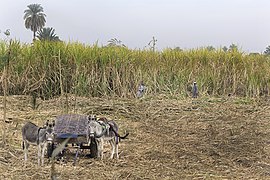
x: 44, y: 67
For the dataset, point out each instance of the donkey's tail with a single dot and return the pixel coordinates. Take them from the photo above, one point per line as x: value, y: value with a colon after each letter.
x: 118, y: 135
x: 123, y: 137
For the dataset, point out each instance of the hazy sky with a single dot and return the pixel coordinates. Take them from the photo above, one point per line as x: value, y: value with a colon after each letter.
x: 183, y: 23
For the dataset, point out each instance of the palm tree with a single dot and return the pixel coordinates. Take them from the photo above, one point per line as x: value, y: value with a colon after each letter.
x: 177, y: 49
x: 47, y: 34
x: 233, y: 47
x: 115, y: 43
x: 7, y: 32
x: 34, y: 18
x: 267, y: 50
x: 210, y: 48
x: 225, y: 49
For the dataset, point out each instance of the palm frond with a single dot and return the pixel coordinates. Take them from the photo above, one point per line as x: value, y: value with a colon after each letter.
x: 47, y: 34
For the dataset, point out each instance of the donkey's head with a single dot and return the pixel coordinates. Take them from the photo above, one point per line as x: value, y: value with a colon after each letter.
x: 95, y: 129
x: 49, y: 131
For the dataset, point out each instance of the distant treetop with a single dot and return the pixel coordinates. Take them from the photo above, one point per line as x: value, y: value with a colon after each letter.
x: 47, y: 34
x: 34, y: 18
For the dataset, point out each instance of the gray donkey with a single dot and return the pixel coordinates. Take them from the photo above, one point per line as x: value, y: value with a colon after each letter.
x: 103, y: 130
x: 37, y: 136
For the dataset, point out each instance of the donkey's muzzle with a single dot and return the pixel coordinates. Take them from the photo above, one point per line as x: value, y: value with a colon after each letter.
x: 92, y: 135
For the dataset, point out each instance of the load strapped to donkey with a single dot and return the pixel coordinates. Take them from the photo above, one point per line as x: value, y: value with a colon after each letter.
x: 73, y: 127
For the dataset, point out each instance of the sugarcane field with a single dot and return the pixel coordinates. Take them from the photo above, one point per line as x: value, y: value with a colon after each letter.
x: 134, y: 90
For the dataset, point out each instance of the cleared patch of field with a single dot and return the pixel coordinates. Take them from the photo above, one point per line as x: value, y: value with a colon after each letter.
x: 170, y: 138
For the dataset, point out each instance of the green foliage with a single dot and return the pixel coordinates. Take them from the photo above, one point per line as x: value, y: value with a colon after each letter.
x: 3, y: 55
x: 117, y: 71
x: 47, y: 34
x: 178, y: 49
x: 267, y: 50
x: 34, y: 18
x: 225, y: 49
x: 115, y: 43
x: 210, y: 48
x: 7, y: 32
x: 233, y: 47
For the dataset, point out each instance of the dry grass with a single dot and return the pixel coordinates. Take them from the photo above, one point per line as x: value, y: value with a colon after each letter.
x: 170, y: 138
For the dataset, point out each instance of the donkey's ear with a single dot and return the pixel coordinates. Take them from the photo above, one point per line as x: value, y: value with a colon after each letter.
x: 47, y: 123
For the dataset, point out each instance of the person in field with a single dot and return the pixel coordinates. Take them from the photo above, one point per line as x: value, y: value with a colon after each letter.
x: 195, y: 91
x: 141, y: 90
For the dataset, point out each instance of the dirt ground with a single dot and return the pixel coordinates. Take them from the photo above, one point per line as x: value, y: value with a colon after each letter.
x: 170, y: 138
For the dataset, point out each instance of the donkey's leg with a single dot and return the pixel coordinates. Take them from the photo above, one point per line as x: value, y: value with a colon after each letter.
x: 112, y: 143
x: 44, y: 145
x: 98, y: 147
x: 39, y: 154
x: 101, y: 146
x: 116, y: 147
x: 116, y: 151
x: 25, y: 149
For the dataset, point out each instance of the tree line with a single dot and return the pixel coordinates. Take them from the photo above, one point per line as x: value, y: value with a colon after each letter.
x: 35, y: 20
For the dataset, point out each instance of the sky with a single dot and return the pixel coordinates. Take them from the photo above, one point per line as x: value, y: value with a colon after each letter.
x: 174, y: 23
